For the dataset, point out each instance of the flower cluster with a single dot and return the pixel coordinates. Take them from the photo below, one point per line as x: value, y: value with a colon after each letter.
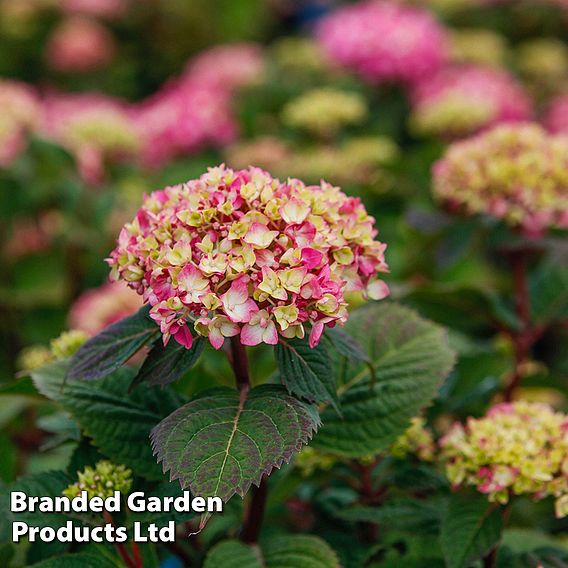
x: 557, y: 116
x: 479, y: 46
x: 101, y: 481
x: 324, y: 111
x: 182, y: 118
x: 462, y: 100
x: 543, y: 60
x: 383, y: 41
x: 98, y: 308
x: 20, y: 114
x: 80, y: 44
x: 230, y: 66
x: 417, y: 441
x: 242, y: 253
x: 299, y: 55
x: 517, y: 448
x: 68, y: 343
x: 94, y: 128
x: 513, y: 172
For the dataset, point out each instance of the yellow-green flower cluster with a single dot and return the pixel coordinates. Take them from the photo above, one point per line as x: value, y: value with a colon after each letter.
x: 68, y: 343
x: 518, y: 448
x: 543, y: 60
x: 34, y: 357
x: 416, y: 441
x: 516, y: 173
x: 101, y: 481
x: 300, y: 54
x: 325, y: 111
x: 310, y: 460
x: 479, y: 46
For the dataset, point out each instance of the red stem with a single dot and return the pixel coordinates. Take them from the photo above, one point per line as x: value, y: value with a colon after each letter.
x: 255, y: 512
x: 121, y: 548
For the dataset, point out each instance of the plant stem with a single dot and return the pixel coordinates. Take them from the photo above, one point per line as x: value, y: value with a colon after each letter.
x: 121, y: 548
x: 255, y: 512
x: 525, y: 337
x: 490, y: 559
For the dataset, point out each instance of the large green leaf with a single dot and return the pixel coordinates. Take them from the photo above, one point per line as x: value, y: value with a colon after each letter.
x: 411, y: 358
x: 166, y: 364
x: 276, y: 552
x: 470, y: 529
x: 221, y: 442
x: 110, y: 349
x: 305, y: 371
x: 119, y: 422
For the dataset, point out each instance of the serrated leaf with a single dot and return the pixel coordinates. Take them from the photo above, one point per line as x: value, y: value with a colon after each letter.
x: 166, y: 364
x: 411, y: 358
x: 110, y: 349
x: 305, y: 372
x: 80, y: 560
x: 118, y: 422
x: 470, y: 529
x: 276, y: 552
x: 346, y: 345
x: 222, y: 442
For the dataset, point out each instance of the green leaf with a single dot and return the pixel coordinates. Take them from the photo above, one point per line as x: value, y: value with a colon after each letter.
x: 110, y: 349
x: 305, y: 372
x: 222, y: 442
x: 80, y: 560
x: 470, y: 529
x: 276, y: 552
x: 164, y: 365
x: 118, y: 422
x: 346, y: 345
x: 549, y: 292
x: 411, y: 358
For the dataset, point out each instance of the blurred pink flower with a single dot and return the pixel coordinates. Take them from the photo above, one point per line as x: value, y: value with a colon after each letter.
x: 93, y: 127
x: 110, y: 9
x: 556, y: 119
x: 80, y: 44
x: 227, y: 66
x: 459, y: 101
x: 384, y: 42
x: 97, y: 308
x: 19, y: 115
x: 183, y: 118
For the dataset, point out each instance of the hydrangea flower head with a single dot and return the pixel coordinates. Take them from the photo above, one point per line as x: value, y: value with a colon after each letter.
x: 383, y: 41
x: 463, y: 100
x: 228, y: 66
x: 513, y: 172
x: 95, y: 128
x: 20, y: 114
x: 324, y: 111
x: 100, y: 307
x: 417, y: 441
x: 517, y: 448
x: 556, y: 119
x: 101, y: 481
x: 478, y: 46
x: 80, y: 44
x: 242, y: 253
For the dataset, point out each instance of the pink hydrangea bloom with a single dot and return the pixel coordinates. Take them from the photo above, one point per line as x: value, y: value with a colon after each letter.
x: 557, y: 116
x: 227, y: 66
x: 98, y: 308
x: 463, y: 100
x: 80, y: 44
x: 514, y: 172
x: 383, y: 41
x: 94, y: 127
x: 19, y: 115
x: 242, y: 253
x: 110, y: 9
x: 183, y: 118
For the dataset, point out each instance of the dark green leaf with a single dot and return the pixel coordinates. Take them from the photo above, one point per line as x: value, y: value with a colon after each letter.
x: 222, y: 442
x: 164, y: 365
x: 411, y: 358
x: 549, y: 292
x: 110, y: 349
x: 277, y: 552
x: 346, y: 345
x: 118, y: 422
x: 470, y: 529
x: 306, y: 372
x: 80, y: 560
